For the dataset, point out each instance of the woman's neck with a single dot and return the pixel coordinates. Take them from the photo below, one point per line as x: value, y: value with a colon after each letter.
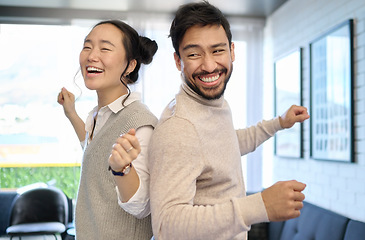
x: 107, y: 97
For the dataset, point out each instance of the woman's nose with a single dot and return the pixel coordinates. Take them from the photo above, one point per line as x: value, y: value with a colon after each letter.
x: 93, y: 56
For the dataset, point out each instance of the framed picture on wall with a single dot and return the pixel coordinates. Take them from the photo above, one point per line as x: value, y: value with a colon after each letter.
x: 331, y: 94
x: 288, y: 91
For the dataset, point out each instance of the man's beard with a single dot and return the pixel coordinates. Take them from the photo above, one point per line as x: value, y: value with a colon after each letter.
x: 206, y: 96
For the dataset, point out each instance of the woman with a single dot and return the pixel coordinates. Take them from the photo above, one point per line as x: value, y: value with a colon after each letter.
x: 116, y: 132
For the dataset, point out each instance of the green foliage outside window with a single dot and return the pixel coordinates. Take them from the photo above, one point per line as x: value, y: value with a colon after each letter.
x: 65, y: 178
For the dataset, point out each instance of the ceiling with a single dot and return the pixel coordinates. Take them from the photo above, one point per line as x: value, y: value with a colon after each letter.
x: 82, y: 8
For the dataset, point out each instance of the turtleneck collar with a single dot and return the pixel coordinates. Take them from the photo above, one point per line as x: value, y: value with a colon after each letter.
x: 213, y: 103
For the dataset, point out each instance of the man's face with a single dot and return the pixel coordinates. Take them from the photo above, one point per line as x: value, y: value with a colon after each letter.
x: 206, y: 60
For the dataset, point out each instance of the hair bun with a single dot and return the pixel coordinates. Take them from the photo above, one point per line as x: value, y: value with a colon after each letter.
x: 148, y: 49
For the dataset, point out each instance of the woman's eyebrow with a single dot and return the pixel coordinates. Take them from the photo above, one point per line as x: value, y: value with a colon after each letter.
x: 102, y: 41
x: 107, y: 42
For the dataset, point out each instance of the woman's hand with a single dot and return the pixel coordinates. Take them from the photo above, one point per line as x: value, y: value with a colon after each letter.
x: 67, y: 100
x: 125, y: 150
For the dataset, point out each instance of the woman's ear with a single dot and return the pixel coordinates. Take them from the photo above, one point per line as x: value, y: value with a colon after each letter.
x: 131, y: 66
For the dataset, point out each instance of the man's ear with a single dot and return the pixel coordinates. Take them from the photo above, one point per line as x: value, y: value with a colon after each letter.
x: 177, y: 61
x: 232, y: 52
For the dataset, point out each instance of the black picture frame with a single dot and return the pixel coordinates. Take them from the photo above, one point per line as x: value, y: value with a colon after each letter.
x: 288, y: 91
x: 331, y: 94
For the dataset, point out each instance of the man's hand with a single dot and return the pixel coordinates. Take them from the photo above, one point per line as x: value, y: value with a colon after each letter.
x: 293, y: 115
x: 283, y: 200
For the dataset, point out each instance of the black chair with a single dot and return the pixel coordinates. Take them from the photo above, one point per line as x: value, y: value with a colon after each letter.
x: 39, y: 211
x: 6, y: 199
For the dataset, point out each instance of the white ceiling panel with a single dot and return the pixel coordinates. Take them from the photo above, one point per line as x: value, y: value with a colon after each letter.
x: 246, y: 8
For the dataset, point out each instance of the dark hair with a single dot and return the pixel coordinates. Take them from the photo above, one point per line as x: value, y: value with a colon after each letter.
x: 140, y: 48
x: 192, y: 14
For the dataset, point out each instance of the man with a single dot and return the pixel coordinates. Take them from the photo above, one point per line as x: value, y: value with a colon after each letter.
x: 197, y: 189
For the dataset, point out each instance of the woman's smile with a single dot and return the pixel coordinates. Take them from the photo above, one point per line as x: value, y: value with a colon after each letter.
x: 92, y: 71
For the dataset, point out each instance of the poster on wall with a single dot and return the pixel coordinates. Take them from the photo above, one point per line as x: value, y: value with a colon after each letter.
x: 287, y: 75
x: 331, y: 81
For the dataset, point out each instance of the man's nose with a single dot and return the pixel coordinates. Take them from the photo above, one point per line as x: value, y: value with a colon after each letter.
x: 209, y: 63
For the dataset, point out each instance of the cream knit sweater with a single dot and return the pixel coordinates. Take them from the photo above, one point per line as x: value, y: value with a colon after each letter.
x: 197, y: 189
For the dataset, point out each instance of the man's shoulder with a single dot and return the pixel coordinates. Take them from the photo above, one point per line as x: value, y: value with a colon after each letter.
x: 173, y: 131
x: 173, y: 122
x: 178, y: 111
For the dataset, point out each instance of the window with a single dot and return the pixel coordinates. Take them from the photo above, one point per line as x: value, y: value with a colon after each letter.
x: 37, y: 62
x: 37, y: 142
x: 235, y: 93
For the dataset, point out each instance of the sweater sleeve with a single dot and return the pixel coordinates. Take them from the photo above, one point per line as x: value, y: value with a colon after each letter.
x: 175, y: 165
x: 252, y: 137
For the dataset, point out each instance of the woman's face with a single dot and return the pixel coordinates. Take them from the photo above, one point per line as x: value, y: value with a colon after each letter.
x: 103, y: 58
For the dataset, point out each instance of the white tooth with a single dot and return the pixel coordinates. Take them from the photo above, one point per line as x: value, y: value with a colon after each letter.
x: 210, y: 79
x: 94, y: 69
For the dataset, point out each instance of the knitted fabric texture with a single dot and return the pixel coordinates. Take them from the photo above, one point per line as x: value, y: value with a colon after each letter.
x: 196, y: 182
x: 98, y: 215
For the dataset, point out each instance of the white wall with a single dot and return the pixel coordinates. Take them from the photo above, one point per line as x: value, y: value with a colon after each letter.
x: 339, y: 187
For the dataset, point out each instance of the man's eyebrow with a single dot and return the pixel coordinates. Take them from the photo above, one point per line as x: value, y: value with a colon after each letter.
x: 219, y: 45
x: 197, y: 46
x: 190, y: 46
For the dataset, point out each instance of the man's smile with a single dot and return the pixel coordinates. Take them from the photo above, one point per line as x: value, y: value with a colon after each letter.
x: 209, y: 79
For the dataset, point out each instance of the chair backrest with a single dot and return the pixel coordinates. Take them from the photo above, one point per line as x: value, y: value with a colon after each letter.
x: 40, y: 205
x: 6, y: 200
